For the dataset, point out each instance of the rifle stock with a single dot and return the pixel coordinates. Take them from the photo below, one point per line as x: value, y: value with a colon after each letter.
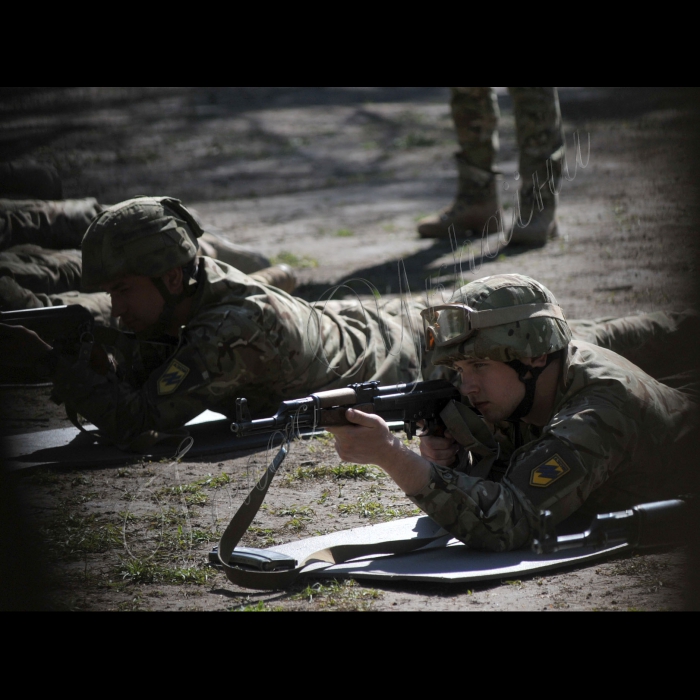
x: 645, y: 526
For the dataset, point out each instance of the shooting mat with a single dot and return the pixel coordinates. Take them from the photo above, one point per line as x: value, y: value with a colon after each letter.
x: 69, y: 448
x: 444, y: 561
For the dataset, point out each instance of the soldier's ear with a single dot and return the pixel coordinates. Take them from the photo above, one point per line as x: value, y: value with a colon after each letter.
x: 174, y: 280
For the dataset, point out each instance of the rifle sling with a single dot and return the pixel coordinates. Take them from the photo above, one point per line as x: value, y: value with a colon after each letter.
x: 279, y: 580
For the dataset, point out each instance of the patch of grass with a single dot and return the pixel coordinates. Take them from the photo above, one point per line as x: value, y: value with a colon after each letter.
x: 357, y: 472
x: 216, y: 482
x: 261, y: 607
x: 369, y: 506
x: 307, y: 474
x: 70, y: 535
x: 194, y: 494
x: 344, y: 595
x: 294, y: 261
x: 181, y: 540
x: 344, y: 233
x: 141, y: 572
x: 324, y: 498
x: 297, y: 524
x: 348, y: 472
x: 266, y: 536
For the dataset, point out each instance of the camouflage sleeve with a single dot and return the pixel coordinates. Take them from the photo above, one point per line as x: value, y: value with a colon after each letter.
x: 586, y: 456
x: 170, y: 398
x: 583, y: 449
x: 215, y: 361
x: 482, y: 514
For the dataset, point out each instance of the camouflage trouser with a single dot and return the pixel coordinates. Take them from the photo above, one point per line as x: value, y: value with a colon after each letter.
x: 664, y: 345
x: 32, y: 278
x: 55, y: 225
x: 42, y: 271
x: 539, y: 133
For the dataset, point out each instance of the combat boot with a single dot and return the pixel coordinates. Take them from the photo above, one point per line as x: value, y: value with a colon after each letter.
x: 543, y: 226
x: 237, y: 256
x: 280, y: 276
x: 478, y: 200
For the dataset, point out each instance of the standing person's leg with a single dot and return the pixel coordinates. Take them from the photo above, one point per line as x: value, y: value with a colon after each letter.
x: 476, y: 114
x: 541, y: 142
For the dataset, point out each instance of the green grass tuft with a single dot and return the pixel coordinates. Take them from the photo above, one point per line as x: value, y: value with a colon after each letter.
x: 292, y: 260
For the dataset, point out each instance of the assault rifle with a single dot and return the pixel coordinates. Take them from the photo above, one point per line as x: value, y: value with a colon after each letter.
x: 405, y: 403
x: 66, y: 328
x: 646, y: 526
x: 64, y: 325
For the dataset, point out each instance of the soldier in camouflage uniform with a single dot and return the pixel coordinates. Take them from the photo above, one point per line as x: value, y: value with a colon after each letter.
x: 541, y: 143
x: 234, y: 336
x: 40, y: 239
x: 563, y: 425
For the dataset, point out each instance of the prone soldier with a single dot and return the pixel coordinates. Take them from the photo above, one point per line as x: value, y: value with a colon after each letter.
x: 40, y: 238
x: 573, y: 427
x: 233, y: 334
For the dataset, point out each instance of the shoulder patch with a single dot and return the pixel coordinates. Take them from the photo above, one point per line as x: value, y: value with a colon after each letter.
x: 549, y: 473
x: 173, y: 378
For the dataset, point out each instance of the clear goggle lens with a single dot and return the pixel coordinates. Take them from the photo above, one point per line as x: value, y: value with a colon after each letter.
x: 446, y: 326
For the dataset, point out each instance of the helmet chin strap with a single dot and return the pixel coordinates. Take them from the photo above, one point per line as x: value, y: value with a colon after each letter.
x: 527, y: 404
x: 167, y: 316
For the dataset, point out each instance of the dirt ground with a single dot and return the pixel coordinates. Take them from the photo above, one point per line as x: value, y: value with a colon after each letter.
x: 332, y: 181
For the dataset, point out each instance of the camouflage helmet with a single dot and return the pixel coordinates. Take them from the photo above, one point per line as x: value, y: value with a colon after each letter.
x: 504, y: 318
x: 142, y: 236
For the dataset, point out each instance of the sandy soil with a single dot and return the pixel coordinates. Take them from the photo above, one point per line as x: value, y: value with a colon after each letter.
x: 333, y: 180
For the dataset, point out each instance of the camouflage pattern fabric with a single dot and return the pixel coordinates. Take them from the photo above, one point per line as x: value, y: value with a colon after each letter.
x: 42, y: 271
x: 656, y: 342
x: 245, y: 340
x: 143, y: 236
x: 611, y: 443
x: 56, y: 225
x: 539, y: 134
x: 512, y: 341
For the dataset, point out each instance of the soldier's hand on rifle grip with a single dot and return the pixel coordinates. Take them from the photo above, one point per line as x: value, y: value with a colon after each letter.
x: 100, y: 361
x: 20, y: 347
x: 440, y: 450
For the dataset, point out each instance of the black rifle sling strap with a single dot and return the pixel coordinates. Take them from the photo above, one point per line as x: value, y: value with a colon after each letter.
x: 279, y: 580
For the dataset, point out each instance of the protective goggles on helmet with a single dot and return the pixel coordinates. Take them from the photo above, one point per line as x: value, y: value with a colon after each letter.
x: 452, y: 324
